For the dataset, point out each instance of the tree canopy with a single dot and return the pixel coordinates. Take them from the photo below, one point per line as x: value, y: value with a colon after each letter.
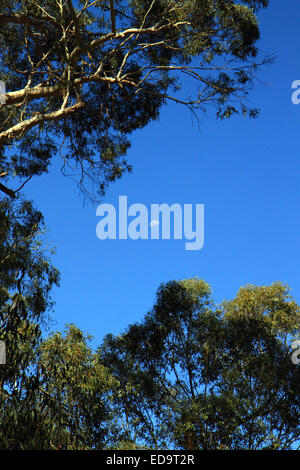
x: 26, y: 279
x: 190, y: 375
x: 53, y: 393
x: 82, y: 75
x: 199, y: 376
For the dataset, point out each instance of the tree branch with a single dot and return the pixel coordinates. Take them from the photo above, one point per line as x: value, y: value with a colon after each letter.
x: 25, y: 126
x: 7, y: 191
x: 112, y: 16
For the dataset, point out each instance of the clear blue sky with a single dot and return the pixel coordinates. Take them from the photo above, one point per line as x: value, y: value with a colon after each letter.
x: 246, y: 172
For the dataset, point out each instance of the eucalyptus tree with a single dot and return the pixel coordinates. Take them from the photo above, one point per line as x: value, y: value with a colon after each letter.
x: 198, y: 376
x: 26, y: 280
x: 54, y: 393
x: 82, y: 75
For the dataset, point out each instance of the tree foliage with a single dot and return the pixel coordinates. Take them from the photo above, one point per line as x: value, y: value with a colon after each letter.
x: 53, y: 392
x: 76, y: 391
x: 26, y: 279
x: 199, y: 376
x: 82, y: 75
x: 190, y: 375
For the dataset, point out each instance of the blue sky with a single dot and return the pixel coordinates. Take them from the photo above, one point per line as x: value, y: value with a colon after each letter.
x: 245, y: 172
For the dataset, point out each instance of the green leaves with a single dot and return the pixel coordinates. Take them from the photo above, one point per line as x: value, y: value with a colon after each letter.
x: 79, y: 389
x: 189, y: 376
x: 26, y: 278
x: 271, y: 305
x: 197, y: 376
x: 79, y: 84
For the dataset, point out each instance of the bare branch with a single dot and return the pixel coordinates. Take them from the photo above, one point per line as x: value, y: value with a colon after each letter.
x: 112, y: 16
